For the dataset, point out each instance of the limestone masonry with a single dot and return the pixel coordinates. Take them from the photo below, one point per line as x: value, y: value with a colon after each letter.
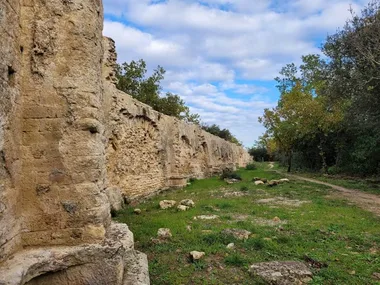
x: 73, y: 147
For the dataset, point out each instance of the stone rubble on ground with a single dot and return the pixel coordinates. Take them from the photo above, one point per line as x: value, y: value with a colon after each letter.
x: 230, y: 246
x: 283, y: 273
x: 259, y: 182
x: 206, y: 217
x: 167, y: 204
x: 164, y: 233
x: 183, y: 208
x: 232, y: 181
x: 237, y: 233
x: 137, y: 211
x: 196, y: 255
x: 188, y: 203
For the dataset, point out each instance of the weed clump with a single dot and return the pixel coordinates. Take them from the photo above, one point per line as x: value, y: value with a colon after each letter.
x: 229, y: 174
x: 251, y: 166
x: 244, y: 188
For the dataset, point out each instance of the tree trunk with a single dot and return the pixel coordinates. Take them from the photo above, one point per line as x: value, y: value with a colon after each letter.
x: 289, y: 161
x: 322, y: 154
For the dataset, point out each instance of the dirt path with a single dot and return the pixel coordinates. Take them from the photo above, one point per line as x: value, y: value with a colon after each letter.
x: 366, y: 201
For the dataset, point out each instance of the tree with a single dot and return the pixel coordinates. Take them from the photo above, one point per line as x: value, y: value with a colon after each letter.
x: 133, y: 81
x: 222, y: 133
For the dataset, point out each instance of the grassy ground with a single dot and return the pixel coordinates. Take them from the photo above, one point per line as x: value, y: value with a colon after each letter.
x: 327, y: 230
x: 370, y: 185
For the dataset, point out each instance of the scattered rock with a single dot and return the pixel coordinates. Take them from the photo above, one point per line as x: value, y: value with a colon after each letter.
x: 285, y: 180
x: 273, y: 183
x: 237, y: 233
x: 232, y: 181
x: 235, y: 194
x: 167, y: 204
x: 276, y: 220
x: 183, y: 208
x: 137, y: 211
x: 282, y: 201
x: 284, y: 273
x: 238, y: 217
x: 314, y: 263
x: 376, y: 276
x: 188, y: 203
x: 270, y: 223
x: 230, y: 246
x: 256, y: 179
x: 196, y: 255
x: 188, y: 228
x: 164, y: 233
x: 259, y: 182
x: 206, y: 217
x: 264, y: 180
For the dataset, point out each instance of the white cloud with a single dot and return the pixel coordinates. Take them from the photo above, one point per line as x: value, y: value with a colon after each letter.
x: 207, y: 46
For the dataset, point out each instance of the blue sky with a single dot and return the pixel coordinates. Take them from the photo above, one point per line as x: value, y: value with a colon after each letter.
x: 221, y: 55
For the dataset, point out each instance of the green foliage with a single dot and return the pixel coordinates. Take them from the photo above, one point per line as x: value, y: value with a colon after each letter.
x: 235, y: 260
x: 132, y: 80
x: 222, y: 133
x: 251, y: 166
x: 244, y: 189
x: 229, y: 174
x: 328, y: 230
x: 329, y: 110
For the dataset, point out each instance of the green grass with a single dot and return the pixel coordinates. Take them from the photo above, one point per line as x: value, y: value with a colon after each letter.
x: 365, y: 185
x: 330, y: 231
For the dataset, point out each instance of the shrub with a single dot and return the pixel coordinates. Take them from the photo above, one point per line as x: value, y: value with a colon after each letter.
x: 244, y: 188
x: 192, y: 180
x: 235, y: 260
x: 229, y: 174
x: 251, y: 166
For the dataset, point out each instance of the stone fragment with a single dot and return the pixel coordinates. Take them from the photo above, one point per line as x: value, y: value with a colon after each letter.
x: 188, y: 203
x: 230, y: 246
x: 232, y: 181
x: 167, y: 204
x: 183, y: 208
x: 273, y: 183
x: 284, y: 180
x: 276, y: 220
x: 196, y: 255
x: 376, y: 276
x: 188, y: 228
x: 206, y: 217
x: 259, y: 182
x: 70, y: 207
x: 137, y: 211
x: 164, y: 233
x: 284, y: 272
x: 237, y: 233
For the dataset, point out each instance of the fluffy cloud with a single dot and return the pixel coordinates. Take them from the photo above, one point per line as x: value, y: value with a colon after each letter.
x: 221, y: 55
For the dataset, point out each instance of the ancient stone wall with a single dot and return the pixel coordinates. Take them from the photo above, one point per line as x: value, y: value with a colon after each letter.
x: 71, y: 145
x: 148, y: 151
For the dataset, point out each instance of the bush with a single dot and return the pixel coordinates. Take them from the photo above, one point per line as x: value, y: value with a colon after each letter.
x: 192, y: 180
x: 244, y: 188
x: 251, y: 166
x: 235, y: 260
x: 228, y: 174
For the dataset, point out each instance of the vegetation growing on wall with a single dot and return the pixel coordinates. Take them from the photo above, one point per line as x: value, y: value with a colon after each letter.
x: 328, y: 115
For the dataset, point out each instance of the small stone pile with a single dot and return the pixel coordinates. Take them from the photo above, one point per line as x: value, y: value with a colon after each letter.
x: 262, y: 181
